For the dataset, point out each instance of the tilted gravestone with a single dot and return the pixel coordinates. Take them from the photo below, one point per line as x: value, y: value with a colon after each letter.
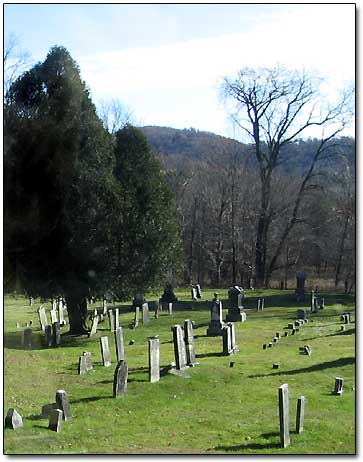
x: 48, y: 336
x: 111, y: 319
x: 137, y: 316
x: 119, y: 342
x: 300, y: 413
x: 62, y: 401
x: 94, y: 326
x: 154, y: 359
x: 13, y: 419
x: 284, y: 415
x: 56, y: 334
x: 235, y: 310
x: 82, y: 366
x: 199, y: 291
x: 55, y: 420
x: 27, y: 339
x: 189, y: 342
x: 216, y: 324
x: 105, y: 350
x: 120, y: 380
x: 145, y: 313
x: 179, y: 347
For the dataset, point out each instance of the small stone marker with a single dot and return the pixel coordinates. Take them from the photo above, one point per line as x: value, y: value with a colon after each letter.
x: 262, y: 304
x: 17, y: 325
x: 119, y: 342
x: 27, y: 339
x: 199, y: 292
x: 157, y: 310
x: 258, y: 304
x: 284, y: 415
x: 338, y: 388
x: 88, y: 360
x: 48, y: 336
x: 231, y: 363
x: 94, y: 326
x: 120, y: 379
x: 56, y: 334
x: 154, y: 359
x: 55, y: 420
x: 277, y: 335
x: 31, y: 301
x: 42, y: 317
x: 104, y: 306
x: 179, y: 347
x: 47, y: 409
x: 61, y: 398
x: 301, y: 314
x: 189, y: 342
x: 61, y: 313
x: 307, y: 349
x: 342, y: 328
x: 13, y: 419
x: 291, y: 325
x: 322, y: 304
x: 137, y: 316
x: 106, y: 357
x: 264, y: 346
x: 300, y: 413
x: 193, y: 293
x: 270, y: 345
x: 111, y: 320
x: 275, y: 366
x: 170, y: 308
x: 145, y: 313
x: 286, y: 334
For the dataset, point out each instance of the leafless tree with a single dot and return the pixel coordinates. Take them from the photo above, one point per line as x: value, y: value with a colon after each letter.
x: 16, y: 60
x: 114, y: 114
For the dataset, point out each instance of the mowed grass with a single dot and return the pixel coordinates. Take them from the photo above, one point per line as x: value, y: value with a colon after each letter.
x: 218, y: 410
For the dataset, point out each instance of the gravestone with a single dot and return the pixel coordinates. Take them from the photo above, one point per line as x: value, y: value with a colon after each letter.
x: 312, y: 301
x: 342, y: 328
x: 94, y: 327
x: 17, y: 325
x: 137, y: 316
x: 300, y: 413
x: 104, y: 306
x: 56, y: 334
x: 27, y: 339
x: 300, y: 286
x: 105, y: 350
x: 55, y: 420
x: 262, y: 304
x: 193, y: 293
x: 179, y: 347
x: 117, y: 318
x: 120, y: 379
x: 53, y: 316
x: 189, y: 342
x: 42, y: 317
x: 235, y: 310
x: 62, y: 401
x: 338, y: 388
x: 88, y: 360
x: 31, y: 301
x: 258, y: 304
x: 170, y: 308
x: 251, y: 283
x: 111, y: 320
x: 47, y: 409
x: 13, y: 419
x: 322, y: 304
x: 199, y: 292
x: 216, y: 324
x: 145, y: 313
x: 154, y: 359
x: 62, y: 321
x: 301, y: 314
x: 229, y: 339
x: 82, y: 367
x: 284, y: 415
x: 48, y: 336
x: 233, y: 337
x: 119, y: 342
x: 156, y: 310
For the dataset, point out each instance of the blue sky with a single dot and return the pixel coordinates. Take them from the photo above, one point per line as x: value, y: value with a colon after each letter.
x: 166, y: 61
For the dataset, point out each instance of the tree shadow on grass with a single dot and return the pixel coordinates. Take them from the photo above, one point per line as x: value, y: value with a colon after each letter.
x: 208, y: 355
x: 316, y: 367
x: 90, y: 399
x: 266, y: 436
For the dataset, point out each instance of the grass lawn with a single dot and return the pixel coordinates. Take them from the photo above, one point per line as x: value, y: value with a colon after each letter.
x: 218, y: 410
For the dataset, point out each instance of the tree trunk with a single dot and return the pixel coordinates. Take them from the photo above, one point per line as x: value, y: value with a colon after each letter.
x: 341, y: 251
x: 77, y: 312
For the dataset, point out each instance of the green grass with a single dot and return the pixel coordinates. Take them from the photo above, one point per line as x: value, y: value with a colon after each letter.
x: 219, y: 410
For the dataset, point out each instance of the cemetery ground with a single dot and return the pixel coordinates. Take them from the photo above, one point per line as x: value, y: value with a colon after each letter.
x: 219, y: 409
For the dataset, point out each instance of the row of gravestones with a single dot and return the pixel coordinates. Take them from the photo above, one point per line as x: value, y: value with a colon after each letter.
x: 235, y: 313
x: 52, y: 336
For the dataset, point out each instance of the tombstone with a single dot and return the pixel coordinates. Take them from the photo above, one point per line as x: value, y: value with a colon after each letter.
x: 95, y: 312
x: 284, y: 415
x: 322, y: 304
x: 137, y: 316
x: 342, y: 328
x: 42, y: 317
x: 301, y: 314
x: 199, y: 292
x: 62, y: 321
x: 13, y: 419
x: 235, y: 295
x: 55, y: 420
x: 154, y: 359
x: 31, y: 301
x: 48, y: 337
x: 156, y: 310
x: 111, y: 320
x: 61, y: 398
x: 264, y: 346
x: 94, y: 327
x: 88, y: 360
x: 338, y: 388
x: 258, y: 304
x: 275, y: 366
x: 119, y: 342
x: 277, y: 335
x: 193, y: 293
x: 275, y: 339
x: 53, y: 316
x: 106, y: 357
x: 291, y: 325
x: 316, y: 305
x: 286, y: 334
x: 170, y: 308
x: 312, y: 303
x: 82, y: 367
x: 179, y: 347
x: 307, y: 349
x: 145, y: 313
x: 216, y: 324
x: 56, y: 334
x: 300, y: 286
x: 117, y: 318
x: 17, y: 325
x: 233, y: 337
x: 300, y: 413
x: 262, y: 304
x: 27, y: 339
x: 104, y: 306
x: 251, y: 282
x: 229, y: 339
x: 47, y: 409
x: 189, y: 342
x: 120, y: 379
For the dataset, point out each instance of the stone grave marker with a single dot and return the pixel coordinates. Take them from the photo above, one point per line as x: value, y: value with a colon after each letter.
x: 27, y: 339
x: 262, y: 304
x: 117, y: 318
x: 199, y: 292
x: 48, y: 336
x: 42, y: 317
x: 62, y: 321
x: 300, y: 413
x: 13, y: 419
x: 56, y: 334
x: 111, y: 319
x: 94, y: 326
x: 179, y: 347
x: 338, y: 388
x: 88, y: 360
x: 322, y: 304
x: 17, y: 325
x: 62, y: 401
x: 170, y: 308
x: 154, y: 359
x: 229, y: 339
x: 47, y: 409
x: 301, y: 314
x: 157, y: 310
x: 119, y: 342
x: 53, y: 316
x: 120, y: 380
x: 104, y: 306
x: 258, y: 304
x: 189, y: 342
x: 312, y: 298
x: 342, y: 328
x: 193, y: 293
x: 82, y: 368
x: 137, y: 316
x: 55, y: 420
x: 145, y: 313
x: 31, y: 301
x: 284, y: 415
x: 216, y: 324
x: 235, y: 310
x: 105, y: 350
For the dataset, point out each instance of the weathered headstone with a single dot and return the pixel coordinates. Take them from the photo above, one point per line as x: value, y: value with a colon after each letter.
x: 258, y: 304
x: 199, y: 292
x: 145, y: 313
x: 61, y: 398
x: 179, y: 347
x: 42, y: 317
x: 338, y: 388
x: 82, y: 367
x: 88, y: 360
x: 48, y: 336
x: 216, y: 324
x: 234, y: 346
x: 229, y: 339
x: 262, y: 304
x: 56, y: 334
x: 53, y: 316
x: 137, y: 316
x: 27, y: 339
x: 55, y: 420
x: 111, y: 319
x: 47, y: 409
x: 104, y: 306
x: 119, y: 342
x: 154, y: 359
x: 284, y: 415
x: 13, y: 419
x: 235, y: 310
x: 120, y: 380
x: 105, y: 350
x: 342, y: 328
x: 62, y: 321
x: 31, y: 301
x: 170, y: 308
x: 94, y: 327
x: 193, y: 293
x: 17, y: 325
x: 117, y: 318
x: 300, y: 414
x: 189, y: 342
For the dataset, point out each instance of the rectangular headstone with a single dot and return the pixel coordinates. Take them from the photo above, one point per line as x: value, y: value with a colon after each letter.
x: 53, y: 316
x: 189, y: 342
x: 232, y: 328
x: 13, y: 419
x: 262, y: 304
x: 27, y: 339
x: 119, y: 342
x: 104, y: 306
x: 94, y: 327
x: 82, y: 367
x: 235, y: 295
x: 55, y: 420
x: 137, y: 316
x: 157, y: 310
x: 120, y: 380
x: 227, y: 341
x: 48, y: 336
x: 56, y: 334
x: 193, y: 293
x: 300, y: 412
x: 61, y: 398
x: 145, y: 313
x: 170, y: 308
x: 42, y: 317
x: 198, y: 290
x: 179, y: 347
x: 117, y: 318
x: 301, y: 314
x: 88, y: 360
x: 154, y: 359
x: 284, y: 415
x: 111, y: 319
x: 105, y: 350
x: 338, y: 387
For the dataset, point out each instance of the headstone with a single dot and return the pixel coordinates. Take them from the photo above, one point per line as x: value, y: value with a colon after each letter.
x: 27, y: 339
x: 117, y: 318
x: 13, y: 419
x: 277, y: 335
x: 53, y: 316
x: 284, y: 415
x: 48, y: 336
x: 216, y: 324
x: 264, y: 346
x: 199, y: 292
x: 275, y: 366
x: 31, y: 301
x: 17, y: 325
x: 312, y: 301
x: 189, y: 342
x: 104, y: 306
x: 258, y: 304
x: 322, y: 304
x: 119, y: 342
x: 47, y: 409
x: 235, y: 295
x: 106, y: 357
x: 193, y: 293
x: 61, y: 398
x: 42, y: 317
x: 179, y: 347
x: 229, y: 339
x: 170, y: 308
x: 300, y: 413
x: 307, y: 349
x: 262, y: 304
x: 342, y: 328
x: 111, y: 320
x: 94, y: 327
x: 120, y: 380
x: 251, y: 284
x: 291, y: 325
x: 55, y: 420
x: 82, y: 368
x: 157, y: 310
x: 154, y: 359
x: 145, y: 313
x: 56, y: 334
x: 316, y: 305
x: 300, y: 286
x: 338, y: 388
x: 234, y: 346
x: 88, y: 360
x: 137, y: 316
x: 301, y: 314
x: 62, y: 321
